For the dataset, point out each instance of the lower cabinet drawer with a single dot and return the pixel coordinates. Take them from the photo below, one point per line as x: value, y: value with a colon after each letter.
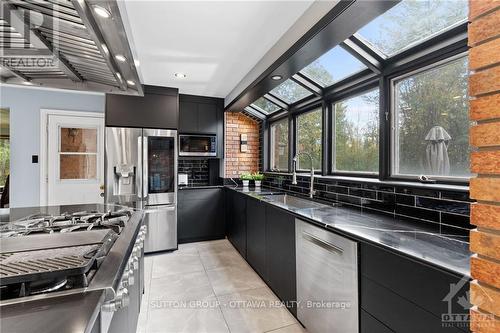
x: 397, y: 313
x: 371, y: 325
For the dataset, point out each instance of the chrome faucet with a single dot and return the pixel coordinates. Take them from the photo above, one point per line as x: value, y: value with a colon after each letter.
x: 294, y: 175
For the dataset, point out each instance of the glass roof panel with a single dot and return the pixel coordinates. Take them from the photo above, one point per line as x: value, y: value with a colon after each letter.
x: 266, y: 106
x: 290, y: 92
x: 333, y: 66
x: 410, y: 22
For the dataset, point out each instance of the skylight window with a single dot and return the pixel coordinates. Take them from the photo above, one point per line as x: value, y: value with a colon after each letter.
x: 333, y: 66
x: 290, y: 92
x: 410, y: 22
x: 265, y: 106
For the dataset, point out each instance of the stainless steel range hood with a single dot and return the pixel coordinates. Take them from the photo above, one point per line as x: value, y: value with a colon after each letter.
x: 66, y: 44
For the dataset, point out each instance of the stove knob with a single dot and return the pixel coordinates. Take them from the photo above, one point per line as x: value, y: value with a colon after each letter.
x: 128, y: 278
x: 122, y: 299
x: 135, y: 263
x: 136, y: 252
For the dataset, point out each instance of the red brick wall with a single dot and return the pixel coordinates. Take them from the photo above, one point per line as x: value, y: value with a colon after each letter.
x: 235, y: 161
x: 484, y: 89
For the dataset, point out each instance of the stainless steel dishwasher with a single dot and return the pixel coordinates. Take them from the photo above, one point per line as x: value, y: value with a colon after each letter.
x: 327, y: 280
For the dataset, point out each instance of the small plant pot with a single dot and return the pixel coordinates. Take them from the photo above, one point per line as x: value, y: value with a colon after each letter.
x: 245, y: 183
x: 258, y: 183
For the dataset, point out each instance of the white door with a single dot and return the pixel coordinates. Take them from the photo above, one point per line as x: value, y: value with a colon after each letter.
x: 75, y: 159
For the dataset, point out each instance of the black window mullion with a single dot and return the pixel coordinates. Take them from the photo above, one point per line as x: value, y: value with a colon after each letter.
x: 385, y: 129
x: 326, y: 144
x: 292, y: 131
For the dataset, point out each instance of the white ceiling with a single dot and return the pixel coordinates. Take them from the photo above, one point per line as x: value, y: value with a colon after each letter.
x: 215, y: 43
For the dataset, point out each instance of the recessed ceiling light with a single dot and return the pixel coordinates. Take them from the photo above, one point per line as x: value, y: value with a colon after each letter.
x: 180, y: 75
x: 28, y: 83
x: 105, y: 48
x: 276, y: 77
x: 136, y: 62
x: 102, y: 12
x: 120, y: 57
x: 130, y: 83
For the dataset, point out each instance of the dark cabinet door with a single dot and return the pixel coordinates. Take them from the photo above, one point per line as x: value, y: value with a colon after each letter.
x: 256, y: 236
x: 371, y: 325
x: 280, y: 255
x: 236, y: 222
x: 188, y: 117
x: 158, y: 108
x: 207, y: 118
x: 201, y: 215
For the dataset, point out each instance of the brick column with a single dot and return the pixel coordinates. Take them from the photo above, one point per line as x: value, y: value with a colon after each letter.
x: 484, y: 90
x: 235, y: 161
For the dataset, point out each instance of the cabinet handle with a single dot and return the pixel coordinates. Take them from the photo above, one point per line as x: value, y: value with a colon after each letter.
x: 322, y: 243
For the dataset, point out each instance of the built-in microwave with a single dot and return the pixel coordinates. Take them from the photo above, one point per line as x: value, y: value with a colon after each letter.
x: 197, y: 145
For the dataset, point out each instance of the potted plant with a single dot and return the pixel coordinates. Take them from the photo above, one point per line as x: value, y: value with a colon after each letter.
x: 257, y: 178
x: 246, y: 178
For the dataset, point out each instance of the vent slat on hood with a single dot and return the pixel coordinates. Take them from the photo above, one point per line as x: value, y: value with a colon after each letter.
x: 64, y: 43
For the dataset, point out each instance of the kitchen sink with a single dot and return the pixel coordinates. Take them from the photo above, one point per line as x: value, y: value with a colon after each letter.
x: 291, y: 202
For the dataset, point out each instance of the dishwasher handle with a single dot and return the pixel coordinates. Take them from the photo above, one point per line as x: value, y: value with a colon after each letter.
x: 322, y: 243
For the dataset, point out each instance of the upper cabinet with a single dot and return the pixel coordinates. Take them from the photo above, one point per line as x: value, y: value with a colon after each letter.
x: 201, y: 115
x: 158, y: 108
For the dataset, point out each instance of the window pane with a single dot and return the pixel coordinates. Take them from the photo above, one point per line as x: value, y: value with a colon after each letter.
x: 78, y: 140
x: 309, y: 129
x: 77, y: 166
x: 333, y: 66
x: 4, y: 146
x: 410, y: 22
x: 265, y: 105
x: 279, y: 145
x: 290, y: 92
x: 356, y: 133
x: 432, y: 122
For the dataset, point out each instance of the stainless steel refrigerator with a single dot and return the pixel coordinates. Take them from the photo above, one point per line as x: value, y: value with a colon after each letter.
x: 141, y: 172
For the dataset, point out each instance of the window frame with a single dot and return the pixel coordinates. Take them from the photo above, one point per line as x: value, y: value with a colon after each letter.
x: 393, y: 132
x: 449, y: 45
x: 312, y: 108
x: 271, y: 144
x: 333, y: 170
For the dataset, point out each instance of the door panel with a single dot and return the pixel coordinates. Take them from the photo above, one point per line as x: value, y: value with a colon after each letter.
x: 75, y: 159
x: 256, y: 236
x: 162, y: 228
x: 123, y: 164
x: 160, y: 166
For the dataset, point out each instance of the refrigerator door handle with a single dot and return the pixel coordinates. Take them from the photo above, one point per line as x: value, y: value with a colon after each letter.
x: 145, y: 173
x: 139, y: 170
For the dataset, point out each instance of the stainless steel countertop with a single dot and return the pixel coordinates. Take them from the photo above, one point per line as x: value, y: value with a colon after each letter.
x: 449, y: 252
x: 75, y: 313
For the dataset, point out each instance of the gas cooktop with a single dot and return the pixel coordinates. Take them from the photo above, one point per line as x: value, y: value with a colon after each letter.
x: 59, y: 249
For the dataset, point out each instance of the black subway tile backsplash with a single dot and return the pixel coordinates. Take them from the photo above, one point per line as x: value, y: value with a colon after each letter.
x: 444, y: 205
x: 418, y: 191
x: 196, y: 169
x: 456, y: 220
x: 428, y: 207
x: 405, y: 199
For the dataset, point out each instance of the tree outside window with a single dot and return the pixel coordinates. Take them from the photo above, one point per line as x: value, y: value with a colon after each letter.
x: 279, y: 145
x: 309, y: 134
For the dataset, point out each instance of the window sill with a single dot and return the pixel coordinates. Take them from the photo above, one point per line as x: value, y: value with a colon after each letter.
x: 368, y: 180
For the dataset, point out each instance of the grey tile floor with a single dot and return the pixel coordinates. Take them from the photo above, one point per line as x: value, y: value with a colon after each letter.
x: 208, y: 287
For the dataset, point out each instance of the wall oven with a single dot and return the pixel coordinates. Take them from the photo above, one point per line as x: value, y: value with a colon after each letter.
x: 198, y: 145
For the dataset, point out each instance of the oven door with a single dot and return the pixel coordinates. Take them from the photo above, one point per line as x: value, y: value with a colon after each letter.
x: 160, y: 166
x: 197, y: 145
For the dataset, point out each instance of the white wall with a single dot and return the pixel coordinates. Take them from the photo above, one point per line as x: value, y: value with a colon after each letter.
x: 25, y: 104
